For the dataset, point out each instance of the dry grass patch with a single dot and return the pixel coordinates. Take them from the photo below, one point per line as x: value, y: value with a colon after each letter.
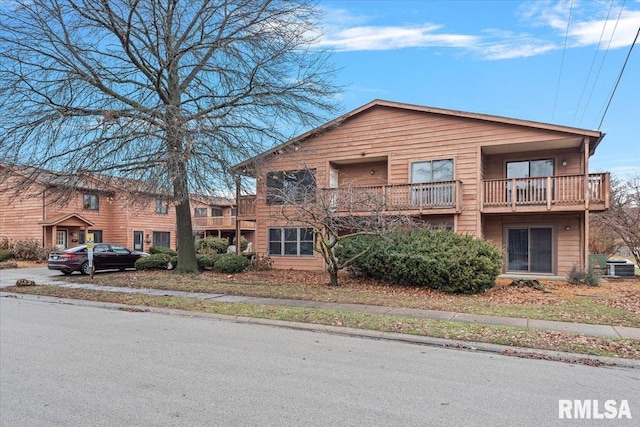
x: 611, y: 303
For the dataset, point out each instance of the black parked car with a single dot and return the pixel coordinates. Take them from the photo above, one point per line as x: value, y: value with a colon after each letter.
x: 106, y: 256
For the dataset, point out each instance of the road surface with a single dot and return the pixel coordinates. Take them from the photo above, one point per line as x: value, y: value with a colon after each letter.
x: 79, y: 365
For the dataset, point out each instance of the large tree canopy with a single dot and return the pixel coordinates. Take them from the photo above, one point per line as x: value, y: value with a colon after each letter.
x: 167, y: 92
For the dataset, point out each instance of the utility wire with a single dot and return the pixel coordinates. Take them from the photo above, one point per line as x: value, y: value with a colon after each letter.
x: 564, y: 49
x: 619, y: 77
x: 586, y: 105
x: 593, y: 61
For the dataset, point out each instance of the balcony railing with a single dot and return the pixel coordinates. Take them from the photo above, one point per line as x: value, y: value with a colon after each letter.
x: 551, y: 191
x: 444, y: 195
x: 219, y: 222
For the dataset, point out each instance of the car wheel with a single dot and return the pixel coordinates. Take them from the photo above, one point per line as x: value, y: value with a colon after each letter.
x: 85, y: 269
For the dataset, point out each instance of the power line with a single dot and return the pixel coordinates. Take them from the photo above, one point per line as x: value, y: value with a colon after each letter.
x: 564, y: 49
x: 593, y: 61
x: 619, y: 77
x: 586, y: 105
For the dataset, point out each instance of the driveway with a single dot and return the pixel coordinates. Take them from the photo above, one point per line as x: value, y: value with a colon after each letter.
x: 41, y: 275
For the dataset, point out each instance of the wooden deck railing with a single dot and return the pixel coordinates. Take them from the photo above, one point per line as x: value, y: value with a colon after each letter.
x: 398, y: 197
x: 551, y: 190
x: 220, y: 222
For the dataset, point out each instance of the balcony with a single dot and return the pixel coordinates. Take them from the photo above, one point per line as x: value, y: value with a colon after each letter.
x: 552, y: 193
x: 424, y: 198
x: 219, y: 223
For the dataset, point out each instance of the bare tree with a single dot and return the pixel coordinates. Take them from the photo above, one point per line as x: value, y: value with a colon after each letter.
x: 602, y: 238
x: 165, y: 92
x: 334, y: 214
x: 623, y: 216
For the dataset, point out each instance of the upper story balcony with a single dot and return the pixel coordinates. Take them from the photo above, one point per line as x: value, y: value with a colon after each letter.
x: 552, y: 193
x: 219, y: 223
x: 425, y: 198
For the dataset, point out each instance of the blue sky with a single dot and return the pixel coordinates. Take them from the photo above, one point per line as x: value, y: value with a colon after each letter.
x: 548, y: 61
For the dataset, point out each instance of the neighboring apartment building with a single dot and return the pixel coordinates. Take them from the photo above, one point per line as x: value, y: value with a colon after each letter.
x: 108, y: 212
x: 216, y: 217
x: 523, y: 185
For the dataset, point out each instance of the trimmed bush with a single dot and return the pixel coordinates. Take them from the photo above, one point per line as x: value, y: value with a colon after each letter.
x: 153, y: 250
x: 231, y: 263
x: 157, y: 261
x: 5, y: 254
x: 212, y: 245
x: 438, y: 259
x: 244, y: 243
x: 208, y: 261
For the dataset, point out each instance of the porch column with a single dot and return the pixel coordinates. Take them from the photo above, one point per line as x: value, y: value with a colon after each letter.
x: 238, y: 245
x: 585, y: 261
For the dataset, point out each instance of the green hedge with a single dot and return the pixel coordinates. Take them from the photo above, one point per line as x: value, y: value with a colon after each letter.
x: 438, y: 259
x: 157, y: 261
x: 162, y: 250
x: 6, y: 254
x: 208, y: 261
x: 212, y: 245
x: 231, y: 263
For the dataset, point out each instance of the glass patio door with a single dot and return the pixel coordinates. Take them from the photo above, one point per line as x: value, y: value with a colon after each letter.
x: 530, y: 249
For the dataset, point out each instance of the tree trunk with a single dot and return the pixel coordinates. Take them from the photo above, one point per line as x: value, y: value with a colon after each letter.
x: 333, y: 278
x: 187, y: 261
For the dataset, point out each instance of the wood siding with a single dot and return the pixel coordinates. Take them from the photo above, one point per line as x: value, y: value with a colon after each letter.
x: 389, y: 139
x: 117, y: 217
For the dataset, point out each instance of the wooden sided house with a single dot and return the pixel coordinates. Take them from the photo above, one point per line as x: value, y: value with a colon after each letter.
x: 523, y: 185
x: 107, y: 210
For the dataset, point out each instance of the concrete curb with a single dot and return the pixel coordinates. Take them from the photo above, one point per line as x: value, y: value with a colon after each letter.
x: 532, y: 353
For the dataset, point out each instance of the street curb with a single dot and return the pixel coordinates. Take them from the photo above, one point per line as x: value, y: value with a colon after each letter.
x: 530, y: 353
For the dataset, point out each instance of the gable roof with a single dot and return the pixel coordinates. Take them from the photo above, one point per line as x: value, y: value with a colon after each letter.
x: 594, y: 136
x: 64, y: 217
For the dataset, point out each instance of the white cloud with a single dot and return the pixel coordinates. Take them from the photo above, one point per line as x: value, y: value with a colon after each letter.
x: 349, y: 32
x: 393, y: 37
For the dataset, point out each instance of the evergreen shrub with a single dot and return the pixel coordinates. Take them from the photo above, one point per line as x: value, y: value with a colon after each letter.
x: 435, y: 258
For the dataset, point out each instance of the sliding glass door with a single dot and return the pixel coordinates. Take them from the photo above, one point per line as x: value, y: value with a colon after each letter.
x: 530, y: 249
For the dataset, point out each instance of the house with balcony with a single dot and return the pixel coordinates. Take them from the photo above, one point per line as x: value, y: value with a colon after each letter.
x: 523, y: 185
x: 44, y: 209
x: 216, y: 217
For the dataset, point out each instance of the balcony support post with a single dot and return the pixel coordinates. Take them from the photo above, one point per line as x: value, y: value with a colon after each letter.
x: 238, y: 243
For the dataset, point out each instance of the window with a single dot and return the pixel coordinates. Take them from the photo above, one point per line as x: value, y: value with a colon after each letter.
x: 433, y: 175
x: 162, y: 238
x: 199, y: 211
x: 291, y: 187
x: 291, y: 241
x: 531, y: 183
x: 216, y: 212
x: 90, y: 202
x: 162, y: 206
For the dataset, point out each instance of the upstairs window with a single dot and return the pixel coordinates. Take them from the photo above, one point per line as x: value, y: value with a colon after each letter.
x: 216, y: 212
x: 162, y: 207
x: 90, y: 202
x: 199, y: 212
x: 291, y: 187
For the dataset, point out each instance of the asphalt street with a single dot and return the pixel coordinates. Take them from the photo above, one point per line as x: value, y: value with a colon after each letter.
x: 78, y: 365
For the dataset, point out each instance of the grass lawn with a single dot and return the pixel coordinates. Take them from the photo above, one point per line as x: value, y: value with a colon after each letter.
x: 612, y: 303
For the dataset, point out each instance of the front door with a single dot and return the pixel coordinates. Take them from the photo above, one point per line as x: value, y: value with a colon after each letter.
x: 530, y: 250
x: 138, y: 241
x: 61, y: 239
